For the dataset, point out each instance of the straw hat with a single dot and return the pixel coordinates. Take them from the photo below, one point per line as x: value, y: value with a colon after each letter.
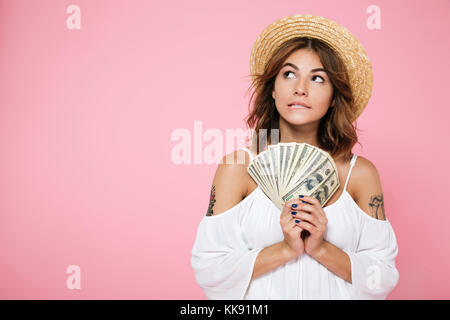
x: 336, y: 36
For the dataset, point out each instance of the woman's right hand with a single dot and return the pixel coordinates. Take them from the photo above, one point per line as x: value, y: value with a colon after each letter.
x: 291, y: 230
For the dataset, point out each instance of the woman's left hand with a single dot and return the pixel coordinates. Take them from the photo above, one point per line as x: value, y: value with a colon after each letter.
x: 312, y: 218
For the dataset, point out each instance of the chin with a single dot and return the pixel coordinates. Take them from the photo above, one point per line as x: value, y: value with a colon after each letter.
x: 297, y: 120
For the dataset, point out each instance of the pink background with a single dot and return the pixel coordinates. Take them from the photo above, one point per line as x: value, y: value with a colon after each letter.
x: 86, y: 117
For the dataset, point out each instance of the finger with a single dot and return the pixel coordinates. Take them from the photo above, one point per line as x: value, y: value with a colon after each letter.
x: 312, y: 211
x: 296, y: 225
x: 294, y: 203
x: 306, y: 207
x: 315, y: 209
x: 290, y: 226
x: 311, y: 200
x: 291, y: 205
x: 285, y: 210
x: 307, y: 217
x: 308, y: 226
x: 299, y: 215
x: 284, y: 221
x: 285, y: 216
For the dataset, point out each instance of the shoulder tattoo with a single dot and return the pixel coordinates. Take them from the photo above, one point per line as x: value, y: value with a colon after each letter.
x: 376, y: 205
x: 212, y: 200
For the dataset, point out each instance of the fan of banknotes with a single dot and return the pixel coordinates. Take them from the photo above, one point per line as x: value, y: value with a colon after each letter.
x: 287, y: 170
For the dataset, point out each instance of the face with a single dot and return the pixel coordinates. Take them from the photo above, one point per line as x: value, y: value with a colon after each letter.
x: 297, y: 82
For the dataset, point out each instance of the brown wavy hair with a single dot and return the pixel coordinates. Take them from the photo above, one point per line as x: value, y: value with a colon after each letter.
x: 336, y: 133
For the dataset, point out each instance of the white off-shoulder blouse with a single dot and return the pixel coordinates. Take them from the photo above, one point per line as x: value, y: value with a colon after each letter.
x: 227, y: 244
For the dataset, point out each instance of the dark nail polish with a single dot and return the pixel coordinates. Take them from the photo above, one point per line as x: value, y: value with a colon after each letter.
x: 297, y: 221
x: 294, y: 205
x: 301, y: 196
x: 293, y: 212
x: 303, y: 201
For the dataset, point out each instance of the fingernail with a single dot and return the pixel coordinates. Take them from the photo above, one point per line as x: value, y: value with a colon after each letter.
x: 293, y: 212
x: 294, y: 205
x: 297, y: 221
x: 301, y: 196
x: 303, y: 201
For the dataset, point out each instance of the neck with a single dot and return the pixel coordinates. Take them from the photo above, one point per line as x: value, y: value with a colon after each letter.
x: 300, y: 133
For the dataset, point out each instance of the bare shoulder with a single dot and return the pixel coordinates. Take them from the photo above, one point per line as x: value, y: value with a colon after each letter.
x: 367, y: 188
x: 363, y: 164
x: 230, y: 183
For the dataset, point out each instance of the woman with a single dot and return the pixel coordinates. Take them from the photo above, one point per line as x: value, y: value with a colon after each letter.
x: 311, y: 87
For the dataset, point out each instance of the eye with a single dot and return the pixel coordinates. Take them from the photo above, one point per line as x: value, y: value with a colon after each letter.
x: 323, y: 80
x: 288, y: 72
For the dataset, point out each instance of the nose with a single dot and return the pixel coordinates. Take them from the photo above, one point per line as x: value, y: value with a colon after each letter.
x: 300, y: 88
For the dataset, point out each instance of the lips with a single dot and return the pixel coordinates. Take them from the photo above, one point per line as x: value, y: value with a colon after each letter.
x: 293, y: 107
x: 298, y: 103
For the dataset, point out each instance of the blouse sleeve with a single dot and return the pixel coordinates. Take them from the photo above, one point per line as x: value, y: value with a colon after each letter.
x: 373, y: 270
x: 222, y: 262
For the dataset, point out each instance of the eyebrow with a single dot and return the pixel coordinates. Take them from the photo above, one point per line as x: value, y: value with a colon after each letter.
x: 296, y: 68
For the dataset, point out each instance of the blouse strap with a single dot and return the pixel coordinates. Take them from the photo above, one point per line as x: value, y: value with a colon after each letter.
x: 249, y: 152
x: 352, y: 163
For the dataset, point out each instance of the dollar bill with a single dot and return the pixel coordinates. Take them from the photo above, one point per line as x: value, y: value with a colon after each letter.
x: 324, y: 192
x: 297, y: 163
x: 285, y: 170
x: 260, y: 178
x: 311, y: 180
x: 274, y: 164
x: 306, y: 165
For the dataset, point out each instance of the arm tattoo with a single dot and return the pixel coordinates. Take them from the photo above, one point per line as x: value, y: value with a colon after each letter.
x: 376, y: 205
x: 212, y: 200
